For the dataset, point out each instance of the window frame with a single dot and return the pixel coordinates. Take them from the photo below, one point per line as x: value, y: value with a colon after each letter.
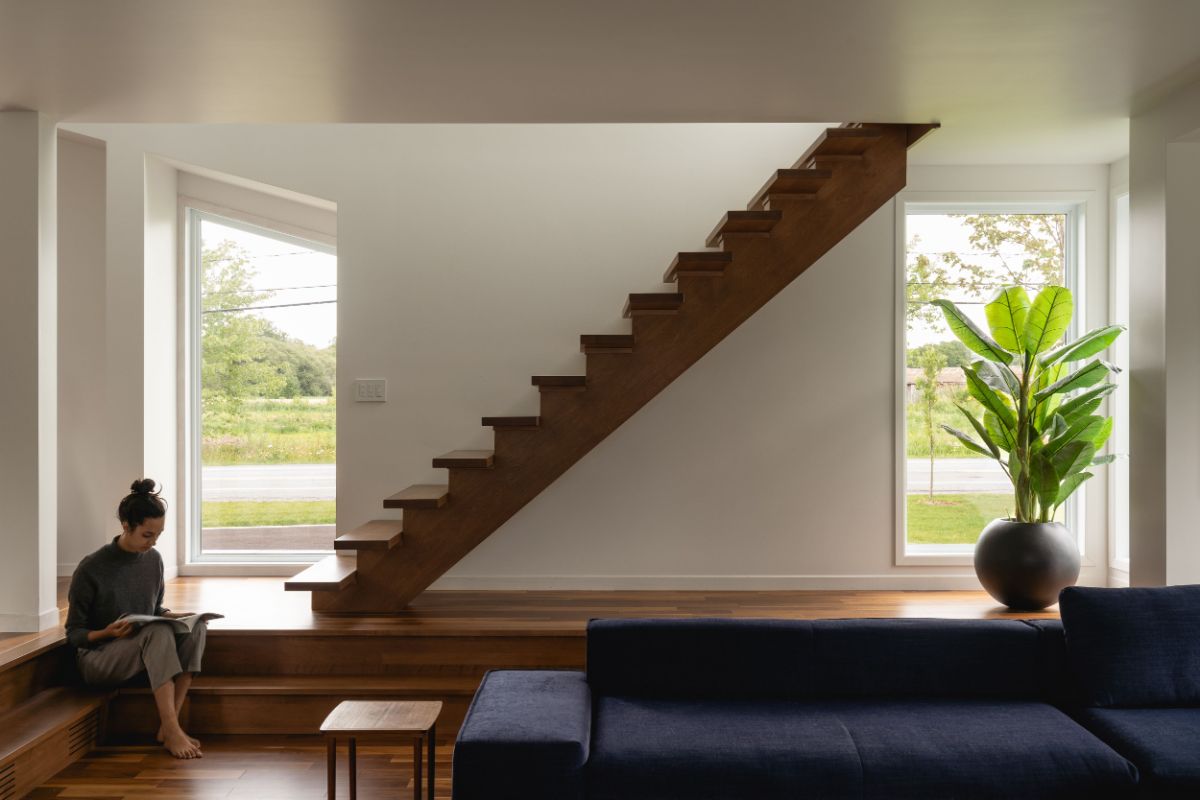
x: 1119, y: 402
x: 1071, y: 204
x: 192, y: 211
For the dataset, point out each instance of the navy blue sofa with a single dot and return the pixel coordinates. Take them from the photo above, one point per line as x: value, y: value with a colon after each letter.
x: 764, y: 709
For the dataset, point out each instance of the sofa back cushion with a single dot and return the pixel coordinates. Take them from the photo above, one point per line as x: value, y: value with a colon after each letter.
x: 1134, y: 647
x: 700, y: 658
x: 805, y: 660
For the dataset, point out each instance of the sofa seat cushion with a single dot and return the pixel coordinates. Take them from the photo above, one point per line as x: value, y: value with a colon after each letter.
x: 645, y: 749
x: 980, y: 749
x: 1164, y: 744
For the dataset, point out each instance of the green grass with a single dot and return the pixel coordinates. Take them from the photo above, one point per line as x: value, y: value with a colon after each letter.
x: 250, y: 513
x: 953, y: 518
x: 271, y: 431
x: 944, y: 445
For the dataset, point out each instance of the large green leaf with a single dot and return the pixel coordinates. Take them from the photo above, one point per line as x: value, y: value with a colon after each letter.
x: 1045, y: 480
x: 969, y: 334
x: 1076, y: 405
x: 1101, y: 437
x: 989, y: 398
x: 998, y: 376
x: 1073, y: 457
x: 1085, y: 429
x: 1006, y: 315
x: 1069, y: 486
x: 1093, y: 373
x: 1004, y: 437
x: 983, y: 434
x: 967, y: 441
x: 1048, y: 320
x: 1099, y: 461
x: 1089, y: 344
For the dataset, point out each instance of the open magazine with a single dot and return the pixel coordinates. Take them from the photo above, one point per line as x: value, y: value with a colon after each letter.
x: 181, y: 624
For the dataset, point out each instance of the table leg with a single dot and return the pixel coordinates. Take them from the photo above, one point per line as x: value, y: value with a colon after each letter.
x: 331, y: 766
x: 353, y: 769
x: 432, y: 763
x: 417, y: 768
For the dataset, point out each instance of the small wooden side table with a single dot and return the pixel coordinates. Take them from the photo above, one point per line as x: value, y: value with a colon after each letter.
x: 381, y: 719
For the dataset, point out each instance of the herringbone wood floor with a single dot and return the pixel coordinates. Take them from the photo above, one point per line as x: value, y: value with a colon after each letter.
x: 259, y: 767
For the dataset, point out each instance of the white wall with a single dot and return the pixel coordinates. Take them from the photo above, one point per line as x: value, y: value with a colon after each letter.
x: 83, y: 524
x: 1165, y: 293
x: 471, y: 257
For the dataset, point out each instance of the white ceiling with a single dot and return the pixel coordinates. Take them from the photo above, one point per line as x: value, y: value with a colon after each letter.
x: 1012, y: 81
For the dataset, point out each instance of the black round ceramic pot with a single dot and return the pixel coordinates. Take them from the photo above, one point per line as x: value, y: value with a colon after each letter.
x: 1025, y: 565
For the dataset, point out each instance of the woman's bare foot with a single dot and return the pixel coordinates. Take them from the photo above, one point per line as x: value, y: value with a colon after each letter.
x: 180, y: 745
x: 158, y: 737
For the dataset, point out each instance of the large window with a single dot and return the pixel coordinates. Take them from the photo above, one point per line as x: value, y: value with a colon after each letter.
x: 962, y: 254
x: 1118, y: 471
x: 263, y: 405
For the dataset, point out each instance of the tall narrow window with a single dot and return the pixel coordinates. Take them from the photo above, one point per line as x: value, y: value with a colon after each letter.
x: 264, y: 355
x: 1118, y: 471
x: 963, y: 255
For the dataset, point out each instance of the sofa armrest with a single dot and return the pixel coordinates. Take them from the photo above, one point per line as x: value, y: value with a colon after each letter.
x: 527, y: 735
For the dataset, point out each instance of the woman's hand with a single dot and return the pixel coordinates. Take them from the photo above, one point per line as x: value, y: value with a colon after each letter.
x: 118, y: 629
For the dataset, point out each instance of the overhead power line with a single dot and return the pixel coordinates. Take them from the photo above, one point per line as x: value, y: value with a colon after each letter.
x: 259, y: 308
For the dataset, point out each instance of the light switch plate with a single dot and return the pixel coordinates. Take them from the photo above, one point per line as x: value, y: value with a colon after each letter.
x: 370, y: 390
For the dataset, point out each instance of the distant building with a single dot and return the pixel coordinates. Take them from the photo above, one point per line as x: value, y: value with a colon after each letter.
x: 948, y: 378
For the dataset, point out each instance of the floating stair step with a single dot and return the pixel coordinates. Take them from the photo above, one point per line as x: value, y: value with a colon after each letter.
x: 378, y: 534
x: 791, y: 184
x: 520, y: 423
x: 605, y: 343
x: 743, y: 224
x: 465, y: 459
x: 710, y: 263
x: 419, y: 496
x: 840, y: 142
x: 918, y: 132
x: 46, y: 715
x: 646, y: 304
x: 330, y: 574
x: 560, y: 383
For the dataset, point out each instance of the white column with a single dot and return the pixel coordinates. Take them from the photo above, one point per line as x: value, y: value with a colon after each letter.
x: 29, y: 366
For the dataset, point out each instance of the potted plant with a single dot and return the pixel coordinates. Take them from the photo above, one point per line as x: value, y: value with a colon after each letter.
x: 1040, y: 423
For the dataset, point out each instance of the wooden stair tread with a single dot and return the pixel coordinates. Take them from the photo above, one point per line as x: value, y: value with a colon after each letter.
x: 560, y: 382
x: 512, y: 422
x: 703, y: 262
x: 660, y: 303
x: 349, y: 685
x: 842, y: 141
x: 330, y: 574
x: 744, y: 223
x: 606, y: 343
x: 45, y: 714
x: 378, y: 534
x: 421, y: 495
x: 465, y: 459
x: 792, y: 184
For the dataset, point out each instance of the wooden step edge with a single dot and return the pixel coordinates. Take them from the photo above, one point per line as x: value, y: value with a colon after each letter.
x: 378, y: 534
x: 918, y: 132
x: 761, y: 197
x: 465, y: 459
x: 46, y: 714
x: 308, y: 685
x: 765, y: 220
x: 511, y: 423
x: 421, y: 495
x: 605, y: 343
x: 330, y: 574
x: 644, y: 304
x: 706, y: 263
x: 849, y: 130
x: 560, y: 383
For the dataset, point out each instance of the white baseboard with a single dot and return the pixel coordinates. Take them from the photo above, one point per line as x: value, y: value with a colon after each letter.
x: 705, y: 582
x: 218, y: 569
x: 29, y: 623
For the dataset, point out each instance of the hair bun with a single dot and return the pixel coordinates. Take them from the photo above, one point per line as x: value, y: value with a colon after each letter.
x: 143, y: 486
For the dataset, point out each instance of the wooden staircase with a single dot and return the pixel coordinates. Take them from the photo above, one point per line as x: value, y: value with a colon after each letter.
x: 798, y: 215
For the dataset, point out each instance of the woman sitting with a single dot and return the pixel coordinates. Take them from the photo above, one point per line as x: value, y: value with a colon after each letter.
x: 123, y: 577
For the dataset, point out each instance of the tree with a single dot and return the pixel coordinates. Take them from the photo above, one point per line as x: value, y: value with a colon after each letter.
x: 931, y: 364
x: 955, y: 353
x: 233, y: 358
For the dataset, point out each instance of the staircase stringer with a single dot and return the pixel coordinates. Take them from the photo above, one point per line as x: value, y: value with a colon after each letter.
x: 527, y: 461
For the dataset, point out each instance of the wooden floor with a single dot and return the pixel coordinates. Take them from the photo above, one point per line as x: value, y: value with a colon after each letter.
x: 259, y: 767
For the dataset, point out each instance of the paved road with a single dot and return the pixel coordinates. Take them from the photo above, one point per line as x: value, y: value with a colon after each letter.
x: 271, y: 482
x: 957, y: 475
x: 316, y: 481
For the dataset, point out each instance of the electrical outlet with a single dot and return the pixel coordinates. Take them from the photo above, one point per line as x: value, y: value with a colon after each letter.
x: 370, y: 390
